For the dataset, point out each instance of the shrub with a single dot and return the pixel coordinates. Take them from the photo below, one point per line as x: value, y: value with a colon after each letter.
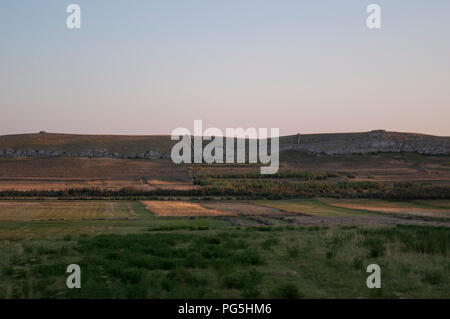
x: 293, y: 252
x: 268, y: 243
x: 287, y: 291
x: 245, y: 279
x: 358, y: 263
x: 432, y: 277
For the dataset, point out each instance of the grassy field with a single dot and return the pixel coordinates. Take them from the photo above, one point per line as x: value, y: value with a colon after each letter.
x: 146, y: 256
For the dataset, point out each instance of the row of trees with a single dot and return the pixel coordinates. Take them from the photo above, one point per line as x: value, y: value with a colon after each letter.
x: 311, y: 176
x: 255, y: 189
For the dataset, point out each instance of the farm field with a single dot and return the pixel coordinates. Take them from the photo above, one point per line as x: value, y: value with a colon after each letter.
x: 63, y: 184
x: 91, y: 169
x: 434, y: 203
x: 311, y: 207
x: 68, y: 210
x: 181, y: 209
x: 235, y: 256
x: 381, y: 167
x: 429, y: 209
x: 361, y: 207
x: 60, y: 173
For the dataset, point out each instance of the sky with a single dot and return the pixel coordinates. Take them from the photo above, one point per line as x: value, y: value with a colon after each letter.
x: 150, y: 66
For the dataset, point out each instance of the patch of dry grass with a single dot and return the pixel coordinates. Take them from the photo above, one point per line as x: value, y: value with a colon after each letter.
x: 404, y: 208
x: 64, y: 210
x: 310, y: 207
x: 180, y: 209
x: 62, y: 184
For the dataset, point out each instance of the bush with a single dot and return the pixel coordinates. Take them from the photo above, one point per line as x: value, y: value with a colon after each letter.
x: 287, y: 291
x: 268, y: 243
x: 293, y: 252
x: 358, y: 263
x: 239, y: 280
x: 432, y: 277
x: 249, y: 257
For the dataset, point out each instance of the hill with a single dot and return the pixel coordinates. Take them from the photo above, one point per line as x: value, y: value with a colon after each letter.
x: 157, y: 146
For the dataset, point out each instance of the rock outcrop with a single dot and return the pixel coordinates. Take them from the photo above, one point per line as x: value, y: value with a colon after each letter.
x: 370, y: 142
x: 10, y: 153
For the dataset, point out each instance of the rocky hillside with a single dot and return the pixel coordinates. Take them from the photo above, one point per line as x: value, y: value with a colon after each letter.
x: 152, y: 147
x: 368, y: 142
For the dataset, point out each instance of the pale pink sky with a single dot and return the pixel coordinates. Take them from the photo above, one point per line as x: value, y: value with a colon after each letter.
x: 148, y: 67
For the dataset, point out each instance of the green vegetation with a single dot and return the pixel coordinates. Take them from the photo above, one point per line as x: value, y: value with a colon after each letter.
x: 254, y: 189
x: 309, y: 176
x: 208, y: 257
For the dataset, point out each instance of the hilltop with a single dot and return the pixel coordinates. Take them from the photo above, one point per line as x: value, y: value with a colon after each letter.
x: 157, y: 146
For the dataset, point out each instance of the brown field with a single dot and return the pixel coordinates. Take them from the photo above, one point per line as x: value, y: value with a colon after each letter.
x: 66, y: 210
x: 158, y: 184
x: 62, y: 184
x: 60, y: 173
x: 309, y: 212
x: 396, y: 208
x: 103, y: 173
x: 180, y: 209
x: 435, y: 203
x: 381, y: 167
x: 91, y: 168
x: 245, y: 208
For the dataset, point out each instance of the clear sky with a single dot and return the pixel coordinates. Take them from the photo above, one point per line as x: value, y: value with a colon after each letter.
x: 147, y: 66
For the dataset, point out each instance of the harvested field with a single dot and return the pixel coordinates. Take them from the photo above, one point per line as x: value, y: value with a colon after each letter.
x: 434, y: 203
x: 266, y: 213
x: 180, y: 209
x: 246, y: 208
x: 309, y: 207
x: 396, y: 208
x: 158, y: 184
x: 385, y: 167
x: 67, y: 210
x: 62, y: 173
x: 92, y: 168
x: 62, y: 184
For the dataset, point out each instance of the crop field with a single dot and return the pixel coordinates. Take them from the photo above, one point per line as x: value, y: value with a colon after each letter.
x: 68, y: 210
x: 91, y: 169
x: 385, y: 167
x: 362, y: 207
x: 60, y: 173
x: 63, y: 184
x: 180, y: 209
x: 423, y: 209
x: 311, y: 207
x: 434, y: 203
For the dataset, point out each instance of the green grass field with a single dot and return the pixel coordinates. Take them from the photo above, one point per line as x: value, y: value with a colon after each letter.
x: 208, y: 257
